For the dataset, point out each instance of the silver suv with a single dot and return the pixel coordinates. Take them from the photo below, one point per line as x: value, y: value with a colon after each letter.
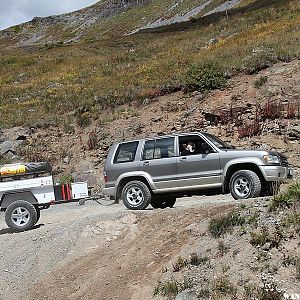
x: 160, y: 169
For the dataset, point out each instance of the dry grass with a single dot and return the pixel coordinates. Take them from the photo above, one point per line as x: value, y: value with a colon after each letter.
x: 111, y: 70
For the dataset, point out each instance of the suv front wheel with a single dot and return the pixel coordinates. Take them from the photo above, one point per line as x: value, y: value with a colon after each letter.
x: 136, y: 195
x: 245, y: 184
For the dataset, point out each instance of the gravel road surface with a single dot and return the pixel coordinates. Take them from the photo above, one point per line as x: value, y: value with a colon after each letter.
x: 66, y: 233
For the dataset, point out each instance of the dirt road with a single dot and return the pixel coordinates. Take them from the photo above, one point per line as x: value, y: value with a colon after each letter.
x: 98, y: 251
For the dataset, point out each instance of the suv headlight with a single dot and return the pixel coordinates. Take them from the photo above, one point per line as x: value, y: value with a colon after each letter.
x: 271, y: 159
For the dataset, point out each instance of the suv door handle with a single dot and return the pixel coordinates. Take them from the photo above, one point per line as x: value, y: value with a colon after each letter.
x: 184, y: 159
x: 146, y: 163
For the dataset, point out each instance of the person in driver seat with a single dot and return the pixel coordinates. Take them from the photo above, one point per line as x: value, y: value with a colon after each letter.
x: 188, y: 149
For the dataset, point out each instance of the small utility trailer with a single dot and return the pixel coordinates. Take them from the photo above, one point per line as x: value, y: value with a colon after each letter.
x: 26, y: 189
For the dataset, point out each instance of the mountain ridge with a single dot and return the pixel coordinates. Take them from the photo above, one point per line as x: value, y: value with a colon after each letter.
x: 71, y: 27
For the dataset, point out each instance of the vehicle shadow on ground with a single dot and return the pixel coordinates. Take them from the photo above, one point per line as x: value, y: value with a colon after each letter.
x: 10, y: 231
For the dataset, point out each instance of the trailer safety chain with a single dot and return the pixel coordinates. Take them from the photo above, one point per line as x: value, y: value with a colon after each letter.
x: 97, y: 199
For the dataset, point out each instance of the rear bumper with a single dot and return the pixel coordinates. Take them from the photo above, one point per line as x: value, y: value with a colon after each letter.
x: 109, y: 191
x: 277, y: 173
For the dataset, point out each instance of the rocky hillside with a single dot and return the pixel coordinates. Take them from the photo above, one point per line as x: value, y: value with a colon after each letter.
x: 57, y: 80
x: 231, y: 69
x: 255, y: 111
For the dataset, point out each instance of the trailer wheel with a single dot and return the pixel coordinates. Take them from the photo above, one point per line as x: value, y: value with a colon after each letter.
x: 21, y: 216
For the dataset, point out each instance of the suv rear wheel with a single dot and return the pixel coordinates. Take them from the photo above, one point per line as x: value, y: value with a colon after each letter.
x: 136, y: 195
x: 245, y: 184
x: 163, y: 201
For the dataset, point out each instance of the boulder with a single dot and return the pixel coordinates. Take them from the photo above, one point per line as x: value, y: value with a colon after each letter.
x: 294, y: 133
x: 87, y: 175
x: 11, y: 140
x: 7, y: 146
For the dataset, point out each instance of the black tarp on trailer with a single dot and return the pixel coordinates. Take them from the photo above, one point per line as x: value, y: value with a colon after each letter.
x: 19, y: 169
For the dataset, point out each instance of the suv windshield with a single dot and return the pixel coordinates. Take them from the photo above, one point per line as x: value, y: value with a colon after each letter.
x: 217, y: 142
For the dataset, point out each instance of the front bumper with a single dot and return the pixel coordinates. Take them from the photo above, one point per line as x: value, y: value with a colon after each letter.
x: 277, y: 173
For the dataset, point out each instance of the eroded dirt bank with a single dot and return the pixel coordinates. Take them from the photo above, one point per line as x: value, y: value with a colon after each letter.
x: 99, y: 252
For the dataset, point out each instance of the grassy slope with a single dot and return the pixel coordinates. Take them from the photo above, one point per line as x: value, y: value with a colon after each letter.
x: 40, y: 82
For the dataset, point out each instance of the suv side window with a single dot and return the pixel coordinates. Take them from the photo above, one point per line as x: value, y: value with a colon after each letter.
x: 159, y: 148
x: 126, y: 152
x: 193, y: 145
x: 148, y: 152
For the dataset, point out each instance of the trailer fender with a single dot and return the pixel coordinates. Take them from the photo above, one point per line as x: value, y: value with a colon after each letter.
x: 7, y: 199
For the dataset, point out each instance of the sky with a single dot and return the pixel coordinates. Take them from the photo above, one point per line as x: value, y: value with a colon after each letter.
x: 13, y: 12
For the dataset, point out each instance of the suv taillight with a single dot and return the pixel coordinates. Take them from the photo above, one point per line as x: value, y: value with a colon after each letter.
x: 105, y: 177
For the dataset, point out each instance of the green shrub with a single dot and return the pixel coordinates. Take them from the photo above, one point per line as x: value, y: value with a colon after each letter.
x: 294, y: 191
x: 67, y: 126
x: 204, y: 293
x: 264, y: 236
x: 167, y: 288
x: 259, y: 238
x: 223, y: 224
x: 223, y: 249
x: 194, y: 260
x: 205, y: 76
x: 286, y: 199
x: 84, y: 119
x: 281, y: 201
x: 197, y: 260
x: 180, y: 263
x: 17, y: 28
x: 4, y: 160
x: 253, y: 219
x: 268, y: 290
x: 224, y: 286
x: 66, y: 179
x: 262, y: 294
x: 8, y: 62
x: 293, y: 219
x: 193, y: 19
x: 260, y: 82
x: 258, y: 61
x: 170, y: 288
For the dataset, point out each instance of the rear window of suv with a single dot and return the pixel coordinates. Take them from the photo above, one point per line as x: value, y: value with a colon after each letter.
x: 126, y: 152
x: 160, y: 148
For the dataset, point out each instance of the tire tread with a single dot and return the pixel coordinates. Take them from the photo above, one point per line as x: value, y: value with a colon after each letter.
x: 147, y: 195
x: 255, y: 182
x: 32, y: 211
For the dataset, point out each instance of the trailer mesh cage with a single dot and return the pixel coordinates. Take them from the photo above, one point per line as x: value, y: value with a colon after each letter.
x: 22, y: 169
